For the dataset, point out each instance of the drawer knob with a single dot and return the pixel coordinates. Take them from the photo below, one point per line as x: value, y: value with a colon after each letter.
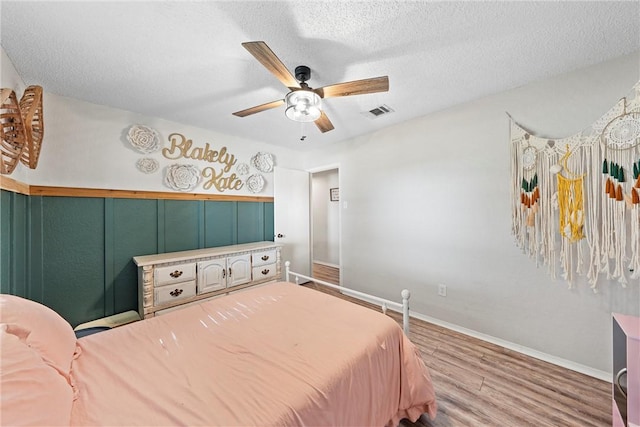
x: 265, y: 257
x: 176, y: 274
x: 265, y: 271
x: 175, y: 292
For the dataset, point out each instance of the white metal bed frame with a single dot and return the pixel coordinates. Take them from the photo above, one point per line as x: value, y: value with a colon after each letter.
x: 384, y: 303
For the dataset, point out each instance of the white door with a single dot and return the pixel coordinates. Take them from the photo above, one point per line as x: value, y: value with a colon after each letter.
x: 291, y: 217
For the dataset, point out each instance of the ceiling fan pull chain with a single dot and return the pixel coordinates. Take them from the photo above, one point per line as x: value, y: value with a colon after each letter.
x: 302, y: 135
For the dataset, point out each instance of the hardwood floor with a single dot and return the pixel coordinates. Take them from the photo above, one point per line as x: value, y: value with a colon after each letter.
x: 482, y: 384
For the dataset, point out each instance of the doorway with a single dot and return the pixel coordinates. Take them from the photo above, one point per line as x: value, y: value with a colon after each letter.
x: 325, y: 217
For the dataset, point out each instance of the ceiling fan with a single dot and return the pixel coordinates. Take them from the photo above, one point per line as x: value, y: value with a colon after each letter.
x: 304, y: 103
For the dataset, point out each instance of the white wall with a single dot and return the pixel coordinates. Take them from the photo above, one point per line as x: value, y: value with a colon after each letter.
x: 325, y: 218
x: 85, y: 146
x: 9, y: 76
x: 428, y: 203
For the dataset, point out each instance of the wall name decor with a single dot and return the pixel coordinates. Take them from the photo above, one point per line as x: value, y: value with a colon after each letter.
x: 216, y: 176
x: 181, y: 147
x: 219, y: 181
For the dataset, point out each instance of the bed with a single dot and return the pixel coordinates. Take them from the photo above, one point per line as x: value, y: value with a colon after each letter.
x: 278, y: 354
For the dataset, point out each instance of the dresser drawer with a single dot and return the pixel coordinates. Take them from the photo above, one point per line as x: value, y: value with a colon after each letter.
x: 175, y: 274
x: 181, y: 306
x: 176, y: 292
x: 263, y: 258
x: 264, y: 272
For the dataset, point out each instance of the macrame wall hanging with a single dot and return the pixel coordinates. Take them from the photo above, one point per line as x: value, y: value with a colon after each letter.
x: 576, y: 200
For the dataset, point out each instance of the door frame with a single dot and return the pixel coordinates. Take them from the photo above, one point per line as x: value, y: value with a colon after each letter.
x: 324, y: 168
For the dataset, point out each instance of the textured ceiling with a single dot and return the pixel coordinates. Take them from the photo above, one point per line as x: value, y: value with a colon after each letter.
x: 183, y: 61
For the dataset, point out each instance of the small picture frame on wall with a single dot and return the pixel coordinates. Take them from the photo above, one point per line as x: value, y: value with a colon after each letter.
x: 334, y: 194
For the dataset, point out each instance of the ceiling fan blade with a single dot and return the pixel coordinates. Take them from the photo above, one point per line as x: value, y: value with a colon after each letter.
x: 323, y: 123
x: 356, y: 87
x: 258, y: 108
x: 266, y: 57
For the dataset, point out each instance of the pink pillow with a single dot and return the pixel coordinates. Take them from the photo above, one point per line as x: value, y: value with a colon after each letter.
x: 40, y: 328
x: 33, y: 393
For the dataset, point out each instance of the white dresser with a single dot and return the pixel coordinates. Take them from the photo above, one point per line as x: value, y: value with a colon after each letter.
x: 172, y: 280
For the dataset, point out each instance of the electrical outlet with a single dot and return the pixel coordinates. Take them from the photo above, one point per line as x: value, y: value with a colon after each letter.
x: 442, y: 290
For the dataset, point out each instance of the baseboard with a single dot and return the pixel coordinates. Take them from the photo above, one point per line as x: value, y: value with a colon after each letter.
x: 328, y: 264
x: 564, y: 363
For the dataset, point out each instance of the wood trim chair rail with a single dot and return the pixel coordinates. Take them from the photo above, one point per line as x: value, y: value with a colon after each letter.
x: 14, y: 186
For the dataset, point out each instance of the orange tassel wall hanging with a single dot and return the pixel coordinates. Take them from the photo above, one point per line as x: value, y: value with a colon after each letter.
x: 529, y: 196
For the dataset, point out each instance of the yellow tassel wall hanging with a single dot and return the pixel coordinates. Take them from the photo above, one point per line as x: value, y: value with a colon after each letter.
x: 571, y: 207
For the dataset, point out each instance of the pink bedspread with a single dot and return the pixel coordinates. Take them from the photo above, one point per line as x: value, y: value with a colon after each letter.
x: 278, y: 355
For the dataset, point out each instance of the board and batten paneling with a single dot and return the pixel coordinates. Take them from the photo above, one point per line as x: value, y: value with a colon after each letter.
x: 179, y: 224
x: 250, y: 215
x: 74, y: 254
x: 13, y: 242
x: 135, y: 231
x: 217, y: 216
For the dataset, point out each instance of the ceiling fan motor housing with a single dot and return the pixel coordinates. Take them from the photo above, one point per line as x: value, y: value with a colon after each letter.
x: 303, y: 73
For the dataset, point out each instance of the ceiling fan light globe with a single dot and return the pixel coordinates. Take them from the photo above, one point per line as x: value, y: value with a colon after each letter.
x: 303, y: 106
x: 314, y: 111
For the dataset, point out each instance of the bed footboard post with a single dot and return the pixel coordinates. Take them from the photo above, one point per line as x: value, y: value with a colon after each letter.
x: 405, y: 310
x: 287, y: 265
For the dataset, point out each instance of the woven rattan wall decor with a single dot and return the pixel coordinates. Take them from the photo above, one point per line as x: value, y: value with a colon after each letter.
x: 576, y: 200
x: 12, y: 131
x: 33, y: 119
x: 21, y: 128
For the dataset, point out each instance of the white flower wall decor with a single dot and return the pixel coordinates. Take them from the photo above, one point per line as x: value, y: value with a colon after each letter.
x: 182, y: 177
x: 147, y: 165
x: 255, y: 183
x: 263, y: 162
x: 143, y: 139
x: 242, y: 169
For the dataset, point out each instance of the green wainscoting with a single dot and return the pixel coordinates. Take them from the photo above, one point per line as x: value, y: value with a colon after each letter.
x: 74, y: 254
x: 14, y: 243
